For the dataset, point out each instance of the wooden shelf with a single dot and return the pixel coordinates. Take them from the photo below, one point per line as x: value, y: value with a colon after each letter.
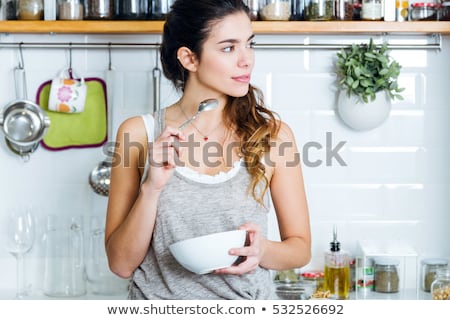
x: 260, y: 27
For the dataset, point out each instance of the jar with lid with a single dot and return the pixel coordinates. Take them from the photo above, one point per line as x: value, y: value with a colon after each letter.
x: 131, y: 9
x: 428, y: 271
x: 160, y: 8
x: 445, y: 11
x: 386, y: 275
x: 253, y: 6
x: 440, y: 288
x: 275, y: 10
x: 426, y: 11
x: 30, y: 10
x: 98, y: 9
x: 70, y: 10
x: 372, y: 10
x: 319, y: 10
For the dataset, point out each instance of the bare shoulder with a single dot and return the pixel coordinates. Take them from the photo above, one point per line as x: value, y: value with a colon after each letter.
x: 132, y: 129
x: 285, y: 133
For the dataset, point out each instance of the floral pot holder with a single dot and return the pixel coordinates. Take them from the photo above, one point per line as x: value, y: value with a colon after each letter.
x: 76, y: 130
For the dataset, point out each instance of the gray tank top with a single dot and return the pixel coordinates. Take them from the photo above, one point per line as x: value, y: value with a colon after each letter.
x: 190, y: 208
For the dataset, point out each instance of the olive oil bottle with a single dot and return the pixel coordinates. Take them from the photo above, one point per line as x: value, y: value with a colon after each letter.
x: 337, y: 270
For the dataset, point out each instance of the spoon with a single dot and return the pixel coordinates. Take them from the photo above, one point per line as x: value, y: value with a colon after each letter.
x: 205, y: 105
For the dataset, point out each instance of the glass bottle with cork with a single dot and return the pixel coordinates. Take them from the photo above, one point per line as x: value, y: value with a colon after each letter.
x: 337, y: 270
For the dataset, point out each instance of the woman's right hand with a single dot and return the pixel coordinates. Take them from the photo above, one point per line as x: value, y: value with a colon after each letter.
x: 163, y: 156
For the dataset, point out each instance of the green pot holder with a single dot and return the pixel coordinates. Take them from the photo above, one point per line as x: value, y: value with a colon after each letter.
x: 77, y: 130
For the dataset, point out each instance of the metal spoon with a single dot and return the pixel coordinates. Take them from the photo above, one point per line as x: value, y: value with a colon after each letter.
x: 205, y: 105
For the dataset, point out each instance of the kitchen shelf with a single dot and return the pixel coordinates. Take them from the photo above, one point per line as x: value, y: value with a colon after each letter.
x: 260, y: 27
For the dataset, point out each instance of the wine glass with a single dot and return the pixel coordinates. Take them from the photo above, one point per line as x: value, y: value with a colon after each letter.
x: 19, y: 240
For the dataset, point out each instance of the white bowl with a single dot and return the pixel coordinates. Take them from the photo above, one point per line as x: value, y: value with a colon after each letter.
x: 207, y: 253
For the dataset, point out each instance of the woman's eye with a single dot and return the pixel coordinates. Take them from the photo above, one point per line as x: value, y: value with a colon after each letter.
x: 228, y: 49
x: 252, y: 44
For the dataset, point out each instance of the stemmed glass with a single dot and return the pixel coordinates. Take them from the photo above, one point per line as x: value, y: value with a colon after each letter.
x: 19, y: 240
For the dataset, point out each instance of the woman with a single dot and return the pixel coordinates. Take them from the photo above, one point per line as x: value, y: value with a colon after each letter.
x: 212, y: 176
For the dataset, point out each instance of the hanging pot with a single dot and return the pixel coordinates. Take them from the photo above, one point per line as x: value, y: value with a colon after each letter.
x: 362, y: 116
x: 24, y: 122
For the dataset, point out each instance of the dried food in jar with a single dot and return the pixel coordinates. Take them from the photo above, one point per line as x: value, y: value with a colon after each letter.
x: 386, y: 276
x: 276, y: 10
x: 98, y: 9
x: 319, y: 10
x: 440, y: 288
x: 71, y: 10
x: 424, y: 11
x: 30, y: 10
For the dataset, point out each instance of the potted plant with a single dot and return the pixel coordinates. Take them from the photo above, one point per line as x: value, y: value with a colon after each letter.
x: 367, y: 77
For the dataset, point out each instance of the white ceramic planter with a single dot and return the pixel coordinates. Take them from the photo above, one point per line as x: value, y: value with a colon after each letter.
x: 363, y: 116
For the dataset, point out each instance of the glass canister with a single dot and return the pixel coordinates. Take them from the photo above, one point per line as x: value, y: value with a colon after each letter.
x: 319, y: 10
x: 386, y: 276
x: 30, y: 10
x: 160, y: 8
x: 10, y: 7
x: 70, y: 10
x: 372, y: 10
x: 424, y: 11
x: 275, y: 10
x: 64, y: 271
x: 428, y: 271
x: 131, y: 9
x: 440, y: 288
x: 98, y: 9
x: 253, y: 6
x: 445, y: 11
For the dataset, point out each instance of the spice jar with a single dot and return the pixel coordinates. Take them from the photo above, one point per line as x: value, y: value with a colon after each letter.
x: 386, y: 275
x: 319, y: 10
x: 272, y: 10
x: 70, y: 10
x: 372, y: 10
x: 30, y: 10
x: 131, y: 9
x: 424, y: 11
x: 440, y: 288
x: 364, y: 273
x: 428, y: 272
x: 160, y: 8
x: 98, y: 9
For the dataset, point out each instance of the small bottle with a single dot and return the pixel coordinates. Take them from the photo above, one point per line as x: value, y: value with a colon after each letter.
x: 337, y: 270
x: 440, y: 288
x: 372, y: 10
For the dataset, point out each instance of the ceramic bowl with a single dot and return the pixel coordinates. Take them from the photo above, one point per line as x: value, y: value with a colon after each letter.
x: 204, y: 254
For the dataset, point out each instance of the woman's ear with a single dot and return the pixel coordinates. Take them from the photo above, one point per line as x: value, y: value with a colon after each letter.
x: 187, y: 59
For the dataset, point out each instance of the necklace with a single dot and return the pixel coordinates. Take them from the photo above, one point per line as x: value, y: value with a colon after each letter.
x: 205, y: 136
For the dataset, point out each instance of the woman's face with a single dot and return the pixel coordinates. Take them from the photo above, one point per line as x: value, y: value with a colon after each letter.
x: 227, y: 58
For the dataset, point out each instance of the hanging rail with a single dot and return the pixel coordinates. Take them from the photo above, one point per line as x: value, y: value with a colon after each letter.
x: 437, y: 45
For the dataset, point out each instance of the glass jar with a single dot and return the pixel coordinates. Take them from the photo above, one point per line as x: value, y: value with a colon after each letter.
x: 440, y: 288
x: 372, y: 10
x: 275, y: 10
x: 98, y: 9
x: 131, y: 9
x: 445, y: 11
x: 70, y: 10
x: 386, y: 275
x: 160, y: 8
x: 253, y: 6
x: 428, y: 272
x: 10, y: 8
x: 298, y: 10
x: 30, y: 10
x: 424, y: 11
x: 319, y: 10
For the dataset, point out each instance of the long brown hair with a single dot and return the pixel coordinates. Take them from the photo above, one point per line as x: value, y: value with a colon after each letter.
x: 189, y: 24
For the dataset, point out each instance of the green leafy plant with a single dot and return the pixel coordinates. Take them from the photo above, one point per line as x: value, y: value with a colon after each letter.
x: 365, y: 69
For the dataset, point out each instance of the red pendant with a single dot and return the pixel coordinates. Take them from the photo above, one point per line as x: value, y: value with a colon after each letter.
x: 205, y: 138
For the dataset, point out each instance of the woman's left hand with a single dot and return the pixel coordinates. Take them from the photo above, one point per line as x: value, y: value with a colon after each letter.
x: 251, y: 253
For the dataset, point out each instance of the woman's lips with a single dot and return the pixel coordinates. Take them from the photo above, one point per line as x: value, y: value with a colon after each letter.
x: 243, y: 78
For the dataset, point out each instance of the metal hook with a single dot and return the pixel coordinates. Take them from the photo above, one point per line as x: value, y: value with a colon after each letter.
x: 70, y: 60
x: 21, y: 61
x: 109, y: 56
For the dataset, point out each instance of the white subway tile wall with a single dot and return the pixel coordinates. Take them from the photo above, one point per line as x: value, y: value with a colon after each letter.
x: 392, y: 183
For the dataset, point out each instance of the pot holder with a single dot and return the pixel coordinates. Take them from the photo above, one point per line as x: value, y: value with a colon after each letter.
x: 77, y: 130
